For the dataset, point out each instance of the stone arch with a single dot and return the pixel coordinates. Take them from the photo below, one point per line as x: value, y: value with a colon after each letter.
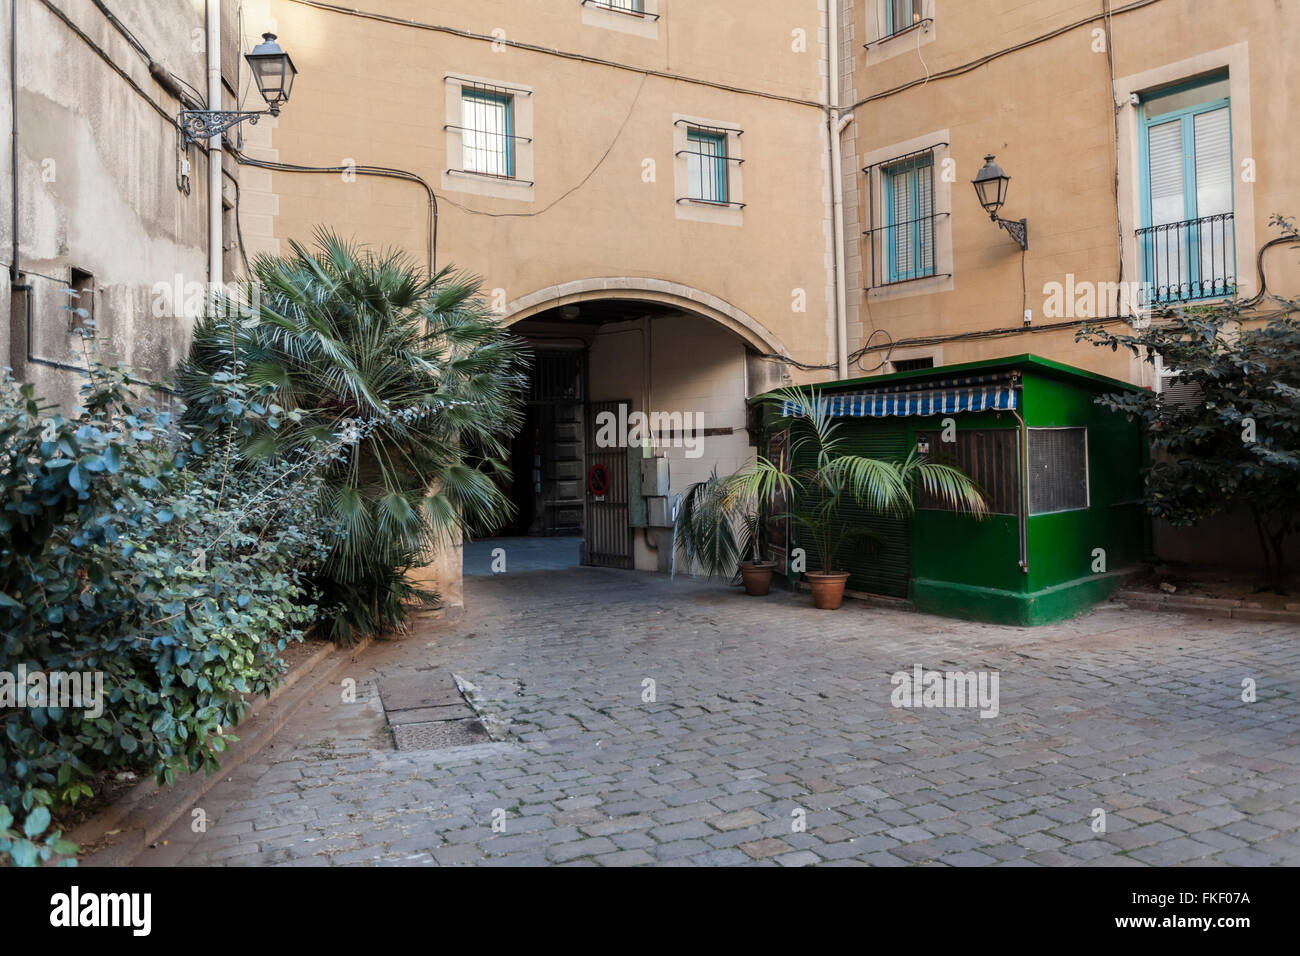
x: 642, y: 289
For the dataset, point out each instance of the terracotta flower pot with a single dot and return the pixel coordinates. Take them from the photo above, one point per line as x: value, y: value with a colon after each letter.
x: 757, y: 576
x: 827, y: 588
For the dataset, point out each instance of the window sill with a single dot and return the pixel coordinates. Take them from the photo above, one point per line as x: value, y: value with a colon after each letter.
x: 622, y: 11
x: 638, y: 23
x: 1168, y: 305
x: 492, y: 177
x: 919, y: 25
x: 470, y: 183
x: 716, y: 203
x: 924, y: 285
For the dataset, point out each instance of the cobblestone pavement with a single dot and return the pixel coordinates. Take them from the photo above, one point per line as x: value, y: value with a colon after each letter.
x: 769, y: 714
x: 525, y: 554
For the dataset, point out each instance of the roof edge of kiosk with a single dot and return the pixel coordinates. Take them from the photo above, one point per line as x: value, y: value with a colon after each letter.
x: 1023, y: 362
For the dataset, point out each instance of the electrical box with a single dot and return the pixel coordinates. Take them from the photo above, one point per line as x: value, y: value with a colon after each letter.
x: 636, y: 507
x: 663, y: 510
x: 654, y: 478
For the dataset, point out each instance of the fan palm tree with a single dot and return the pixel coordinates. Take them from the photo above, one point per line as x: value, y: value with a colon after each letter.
x: 413, y: 375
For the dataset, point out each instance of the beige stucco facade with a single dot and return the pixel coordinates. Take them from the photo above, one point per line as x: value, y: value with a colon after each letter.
x: 679, y: 305
x: 1048, y: 86
x: 604, y: 99
x: 594, y: 200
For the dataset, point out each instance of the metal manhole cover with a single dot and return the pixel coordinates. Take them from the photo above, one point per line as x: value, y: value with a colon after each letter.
x: 439, y: 735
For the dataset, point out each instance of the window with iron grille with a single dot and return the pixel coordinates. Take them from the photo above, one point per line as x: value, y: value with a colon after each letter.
x: 909, y: 218
x: 81, y: 289
x: 706, y: 165
x: 487, y: 131
x: 1058, y: 470
x: 904, y: 219
x: 622, y: 6
x: 633, y: 17
x: 990, y: 456
x: 1188, y: 239
x: 901, y: 15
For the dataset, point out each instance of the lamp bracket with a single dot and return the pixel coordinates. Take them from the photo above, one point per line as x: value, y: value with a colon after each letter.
x: 204, y: 124
x: 1017, y: 228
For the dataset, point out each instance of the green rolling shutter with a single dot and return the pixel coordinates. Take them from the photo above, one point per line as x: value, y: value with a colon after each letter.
x: 889, y: 570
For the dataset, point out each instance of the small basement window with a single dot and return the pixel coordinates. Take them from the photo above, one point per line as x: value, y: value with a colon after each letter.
x: 1058, y: 470
x: 82, y: 296
x: 988, y: 455
x: 912, y: 364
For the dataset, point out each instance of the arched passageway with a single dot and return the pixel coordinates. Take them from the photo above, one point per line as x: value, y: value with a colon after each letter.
x: 636, y: 393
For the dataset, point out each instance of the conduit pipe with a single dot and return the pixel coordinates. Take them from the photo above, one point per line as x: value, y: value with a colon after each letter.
x: 215, y: 252
x: 834, y: 128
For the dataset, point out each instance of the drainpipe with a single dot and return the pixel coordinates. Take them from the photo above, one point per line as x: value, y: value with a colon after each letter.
x: 834, y: 127
x: 1022, y: 522
x: 841, y: 290
x: 214, y: 147
x: 15, y: 273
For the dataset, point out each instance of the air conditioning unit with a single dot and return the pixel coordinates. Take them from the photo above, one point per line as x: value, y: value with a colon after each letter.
x: 1175, y: 393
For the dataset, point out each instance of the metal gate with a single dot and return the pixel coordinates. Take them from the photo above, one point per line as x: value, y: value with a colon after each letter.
x: 607, y: 536
x: 555, y: 408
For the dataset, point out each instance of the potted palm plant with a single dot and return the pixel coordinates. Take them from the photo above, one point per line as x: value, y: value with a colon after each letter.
x: 756, y: 573
x: 718, y: 524
x: 819, y: 475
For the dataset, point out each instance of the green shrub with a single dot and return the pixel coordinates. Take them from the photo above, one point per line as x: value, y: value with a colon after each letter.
x: 125, y: 554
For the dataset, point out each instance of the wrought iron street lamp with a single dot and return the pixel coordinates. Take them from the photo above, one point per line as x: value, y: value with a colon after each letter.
x: 991, y: 186
x: 273, y: 72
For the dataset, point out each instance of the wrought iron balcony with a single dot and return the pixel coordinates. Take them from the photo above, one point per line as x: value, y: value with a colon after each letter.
x: 1187, y: 261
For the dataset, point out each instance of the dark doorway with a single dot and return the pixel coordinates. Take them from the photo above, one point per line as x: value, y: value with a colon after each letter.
x: 547, y: 454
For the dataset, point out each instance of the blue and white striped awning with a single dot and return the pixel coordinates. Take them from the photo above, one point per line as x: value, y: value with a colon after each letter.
x: 978, y: 394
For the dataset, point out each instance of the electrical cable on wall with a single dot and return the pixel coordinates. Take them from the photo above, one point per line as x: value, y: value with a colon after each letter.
x: 1114, y: 108
x: 924, y: 65
x: 363, y: 170
x: 239, y: 229
x: 568, y: 192
x: 990, y: 57
x: 551, y: 51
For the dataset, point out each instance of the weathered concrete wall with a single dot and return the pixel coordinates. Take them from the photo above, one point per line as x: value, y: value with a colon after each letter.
x: 101, y: 187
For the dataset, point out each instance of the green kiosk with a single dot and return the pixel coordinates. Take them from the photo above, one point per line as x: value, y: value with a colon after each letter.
x: 1061, y: 475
